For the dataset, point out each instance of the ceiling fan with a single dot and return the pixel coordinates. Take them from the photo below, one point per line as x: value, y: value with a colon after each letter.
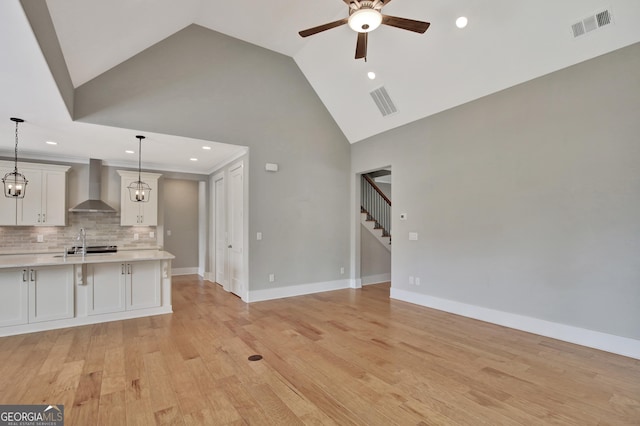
x: 364, y: 17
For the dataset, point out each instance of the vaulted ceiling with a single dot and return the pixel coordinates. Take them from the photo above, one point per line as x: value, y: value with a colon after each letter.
x: 505, y: 43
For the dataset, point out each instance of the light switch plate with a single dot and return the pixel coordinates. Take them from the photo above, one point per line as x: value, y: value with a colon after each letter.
x: 413, y: 236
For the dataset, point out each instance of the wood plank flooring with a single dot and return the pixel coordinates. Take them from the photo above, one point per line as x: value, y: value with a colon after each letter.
x: 347, y: 357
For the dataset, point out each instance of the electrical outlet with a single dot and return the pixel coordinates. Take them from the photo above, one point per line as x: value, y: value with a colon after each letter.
x: 272, y: 278
x: 411, y: 280
x: 136, y: 236
x: 259, y: 236
x: 413, y: 236
x: 342, y: 270
x: 152, y: 234
x: 417, y: 280
x: 40, y: 238
x: 168, y: 232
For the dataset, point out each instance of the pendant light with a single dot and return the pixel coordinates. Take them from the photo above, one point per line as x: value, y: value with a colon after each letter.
x: 139, y: 192
x: 15, y: 184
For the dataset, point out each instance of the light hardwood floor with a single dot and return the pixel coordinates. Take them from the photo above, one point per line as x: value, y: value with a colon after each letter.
x: 347, y: 357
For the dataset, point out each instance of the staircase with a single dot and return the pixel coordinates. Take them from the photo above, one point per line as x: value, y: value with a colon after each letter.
x: 375, y: 211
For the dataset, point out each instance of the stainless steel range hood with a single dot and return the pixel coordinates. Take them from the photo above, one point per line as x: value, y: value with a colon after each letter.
x: 94, y: 204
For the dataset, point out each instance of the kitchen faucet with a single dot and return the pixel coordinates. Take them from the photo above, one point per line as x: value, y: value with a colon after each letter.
x: 82, y: 237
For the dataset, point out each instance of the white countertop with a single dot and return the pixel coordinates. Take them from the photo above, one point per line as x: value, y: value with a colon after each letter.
x: 52, y: 259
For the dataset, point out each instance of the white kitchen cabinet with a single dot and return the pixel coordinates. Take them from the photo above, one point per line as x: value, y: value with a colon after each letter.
x: 116, y: 287
x: 14, y: 294
x: 143, y: 284
x: 44, y: 202
x: 31, y: 295
x: 105, y: 288
x: 45, y: 198
x: 8, y: 206
x: 136, y: 213
x: 50, y: 293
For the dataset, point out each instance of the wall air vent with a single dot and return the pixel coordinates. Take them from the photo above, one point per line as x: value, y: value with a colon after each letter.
x: 383, y: 101
x: 591, y: 23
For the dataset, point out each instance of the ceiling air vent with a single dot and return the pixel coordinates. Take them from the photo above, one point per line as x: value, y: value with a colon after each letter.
x: 591, y: 23
x: 383, y: 101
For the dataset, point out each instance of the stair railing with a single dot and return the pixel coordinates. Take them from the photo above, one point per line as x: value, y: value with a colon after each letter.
x: 376, y: 205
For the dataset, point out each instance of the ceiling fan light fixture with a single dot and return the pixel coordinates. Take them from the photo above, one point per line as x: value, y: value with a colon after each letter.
x: 365, y: 20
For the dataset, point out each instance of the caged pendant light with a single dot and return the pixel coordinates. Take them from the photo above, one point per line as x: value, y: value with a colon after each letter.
x: 15, y: 184
x: 139, y: 192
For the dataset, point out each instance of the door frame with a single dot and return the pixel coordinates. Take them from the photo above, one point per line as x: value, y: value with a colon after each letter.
x: 356, y: 235
x: 213, y: 257
x: 243, y: 292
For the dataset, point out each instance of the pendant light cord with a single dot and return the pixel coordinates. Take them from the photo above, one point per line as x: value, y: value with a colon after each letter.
x: 139, y: 158
x: 15, y: 167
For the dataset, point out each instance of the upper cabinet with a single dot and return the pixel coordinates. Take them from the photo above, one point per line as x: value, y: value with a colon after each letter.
x: 44, y: 203
x: 8, y: 206
x: 136, y: 213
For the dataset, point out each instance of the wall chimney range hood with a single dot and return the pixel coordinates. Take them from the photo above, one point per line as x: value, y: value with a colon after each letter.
x: 94, y: 204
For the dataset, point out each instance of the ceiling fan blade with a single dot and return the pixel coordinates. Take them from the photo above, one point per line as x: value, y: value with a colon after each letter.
x: 320, y: 28
x: 361, y: 46
x: 405, y: 24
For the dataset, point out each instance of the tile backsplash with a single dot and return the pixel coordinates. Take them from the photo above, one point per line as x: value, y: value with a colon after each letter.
x: 101, y: 229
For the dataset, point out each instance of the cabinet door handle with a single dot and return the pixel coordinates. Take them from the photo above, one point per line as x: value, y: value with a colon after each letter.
x: 24, y: 275
x: 129, y: 269
x: 33, y: 275
x: 44, y: 217
x: 122, y: 269
x: 38, y: 217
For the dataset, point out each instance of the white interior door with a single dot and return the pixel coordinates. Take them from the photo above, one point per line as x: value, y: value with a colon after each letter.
x: 236, y: 230
x: 220, y: 232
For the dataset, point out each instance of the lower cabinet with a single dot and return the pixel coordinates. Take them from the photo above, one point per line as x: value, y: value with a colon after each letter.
x: 14, y: 303
x: 31, y: 295
x: 117, y: 287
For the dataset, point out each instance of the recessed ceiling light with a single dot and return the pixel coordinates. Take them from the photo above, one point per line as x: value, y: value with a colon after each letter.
x: 206, y: 147
x: 193, y: 159
x: 371, y: 75
x: 462, y: 22
x: 51, y: 143
x: 129, y: 151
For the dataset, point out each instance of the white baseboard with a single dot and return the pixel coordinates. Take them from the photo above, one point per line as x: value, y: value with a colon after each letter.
x: 185, y: 271
x: 355, y: 283
x: 593, y: 339
x: 376, y: 279
x: 297, y: 290
x: 86, y: 320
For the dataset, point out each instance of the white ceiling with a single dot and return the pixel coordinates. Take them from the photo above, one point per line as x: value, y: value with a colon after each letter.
x: 506, y: 42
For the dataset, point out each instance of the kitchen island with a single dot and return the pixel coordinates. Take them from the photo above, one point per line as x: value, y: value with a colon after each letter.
x: 50, y: 290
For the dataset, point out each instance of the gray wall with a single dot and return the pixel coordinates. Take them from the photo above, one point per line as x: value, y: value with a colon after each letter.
x: 202, y: 84
x: 180, y: 199
x: 526, y: 201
